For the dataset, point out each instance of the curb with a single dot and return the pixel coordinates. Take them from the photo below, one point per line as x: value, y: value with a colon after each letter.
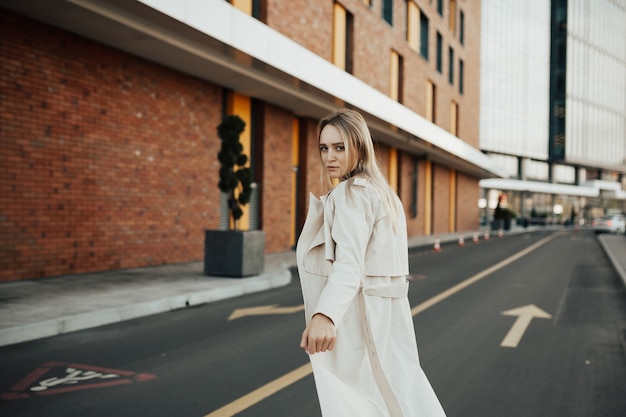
x: 277, y: 276
x: 82, y: 321
x: 619, y: 267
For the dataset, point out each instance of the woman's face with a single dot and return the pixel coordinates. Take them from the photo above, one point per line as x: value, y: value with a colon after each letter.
x: 333, y: 151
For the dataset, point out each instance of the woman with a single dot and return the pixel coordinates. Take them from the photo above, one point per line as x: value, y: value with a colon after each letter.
x: 353, y: 261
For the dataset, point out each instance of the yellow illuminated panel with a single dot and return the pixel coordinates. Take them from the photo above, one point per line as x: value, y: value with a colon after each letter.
x: 454, y: 108
x: 339, y: 36
x: 243, y: 5
x: 430, y: 101
x: 394, y: 73
x: 428, y: 197
x: 393, y: 168
x: 452, y: 16
x: 412, y: 26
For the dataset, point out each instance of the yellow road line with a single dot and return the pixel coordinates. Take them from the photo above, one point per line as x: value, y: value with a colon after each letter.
x: 471, y: 280
x: 286, y: 380
x: 260, y: 394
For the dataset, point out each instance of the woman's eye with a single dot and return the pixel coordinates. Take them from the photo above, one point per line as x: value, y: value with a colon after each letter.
x: 340, y: 148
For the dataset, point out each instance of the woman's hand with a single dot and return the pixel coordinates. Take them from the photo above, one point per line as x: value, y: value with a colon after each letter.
x: 319, y: 335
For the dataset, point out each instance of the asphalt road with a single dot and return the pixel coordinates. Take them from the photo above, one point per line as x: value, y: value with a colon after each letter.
x: 568, y: 358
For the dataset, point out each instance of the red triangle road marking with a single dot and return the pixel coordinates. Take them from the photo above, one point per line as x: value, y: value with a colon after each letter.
x: 73, y: 377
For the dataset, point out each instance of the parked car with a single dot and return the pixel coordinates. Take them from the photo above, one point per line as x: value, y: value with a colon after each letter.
x: 613, y: 223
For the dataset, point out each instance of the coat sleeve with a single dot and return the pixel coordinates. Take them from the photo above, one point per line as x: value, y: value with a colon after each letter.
x: 349, y: 220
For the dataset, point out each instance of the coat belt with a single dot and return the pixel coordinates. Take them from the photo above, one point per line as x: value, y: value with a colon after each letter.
x: 384, y: 290
x: 387, y: 290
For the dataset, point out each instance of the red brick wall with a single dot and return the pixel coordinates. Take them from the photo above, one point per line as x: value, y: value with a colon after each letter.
x: 415, y: 225
x: 107, y: 161
x: 468, y: 193
x: 469, y: 102
x: 277, y: 141
x: 441, y: 199
x: 382, y: 156
x: 311, y: 25
x: 308, y: 169
x: 312, y: 157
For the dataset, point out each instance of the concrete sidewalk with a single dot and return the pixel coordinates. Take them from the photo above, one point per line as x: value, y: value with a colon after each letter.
x: 34, y: 309
x: 38, y: 308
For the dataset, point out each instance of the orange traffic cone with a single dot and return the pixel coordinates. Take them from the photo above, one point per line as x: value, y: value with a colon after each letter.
x: 475, y: 238
x: 486, y: 237
x: 437, y: 247
x: 461, y: 241
x: 500, y: 233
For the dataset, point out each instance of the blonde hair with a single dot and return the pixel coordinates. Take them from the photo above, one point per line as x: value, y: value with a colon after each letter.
x: 361, y: 157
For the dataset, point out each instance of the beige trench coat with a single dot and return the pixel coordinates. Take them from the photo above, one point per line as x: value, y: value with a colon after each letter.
x: 353, y: 269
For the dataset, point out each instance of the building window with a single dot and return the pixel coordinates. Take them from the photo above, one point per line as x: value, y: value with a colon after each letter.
x: 440, y: 7
x: 254, y: 8
x: 349, y: 42
x: 453, y: 16
x: 461, y: 76
x: 412, y: 25
x: 454, y: 118
x: 439, y: 52
x: 451, y: 65
x: 424, y: 35
x: 395, y: 76
x: 462, y: 27
x: 342, y: 38
x: 431, y: 101
x: 388, y: 11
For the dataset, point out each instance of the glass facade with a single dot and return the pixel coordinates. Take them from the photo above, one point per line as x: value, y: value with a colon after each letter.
x: 596, y: 83
x: 553, y: 100
x: 514, y: 78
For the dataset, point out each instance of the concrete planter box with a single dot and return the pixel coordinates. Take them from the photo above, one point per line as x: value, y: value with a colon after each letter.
x: 234, y: 253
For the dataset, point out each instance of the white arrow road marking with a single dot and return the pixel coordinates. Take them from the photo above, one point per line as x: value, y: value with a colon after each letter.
x: 264, y: 310
x: 290, y: 378
x: 524, y: 315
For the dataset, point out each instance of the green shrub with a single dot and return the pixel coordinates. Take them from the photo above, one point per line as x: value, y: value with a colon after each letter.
x: 235, y: 179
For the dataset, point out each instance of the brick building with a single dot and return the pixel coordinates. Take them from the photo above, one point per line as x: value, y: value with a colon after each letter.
x: 108, y: 115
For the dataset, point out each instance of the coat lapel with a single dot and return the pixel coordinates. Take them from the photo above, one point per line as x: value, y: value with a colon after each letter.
x: 313, y: 224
